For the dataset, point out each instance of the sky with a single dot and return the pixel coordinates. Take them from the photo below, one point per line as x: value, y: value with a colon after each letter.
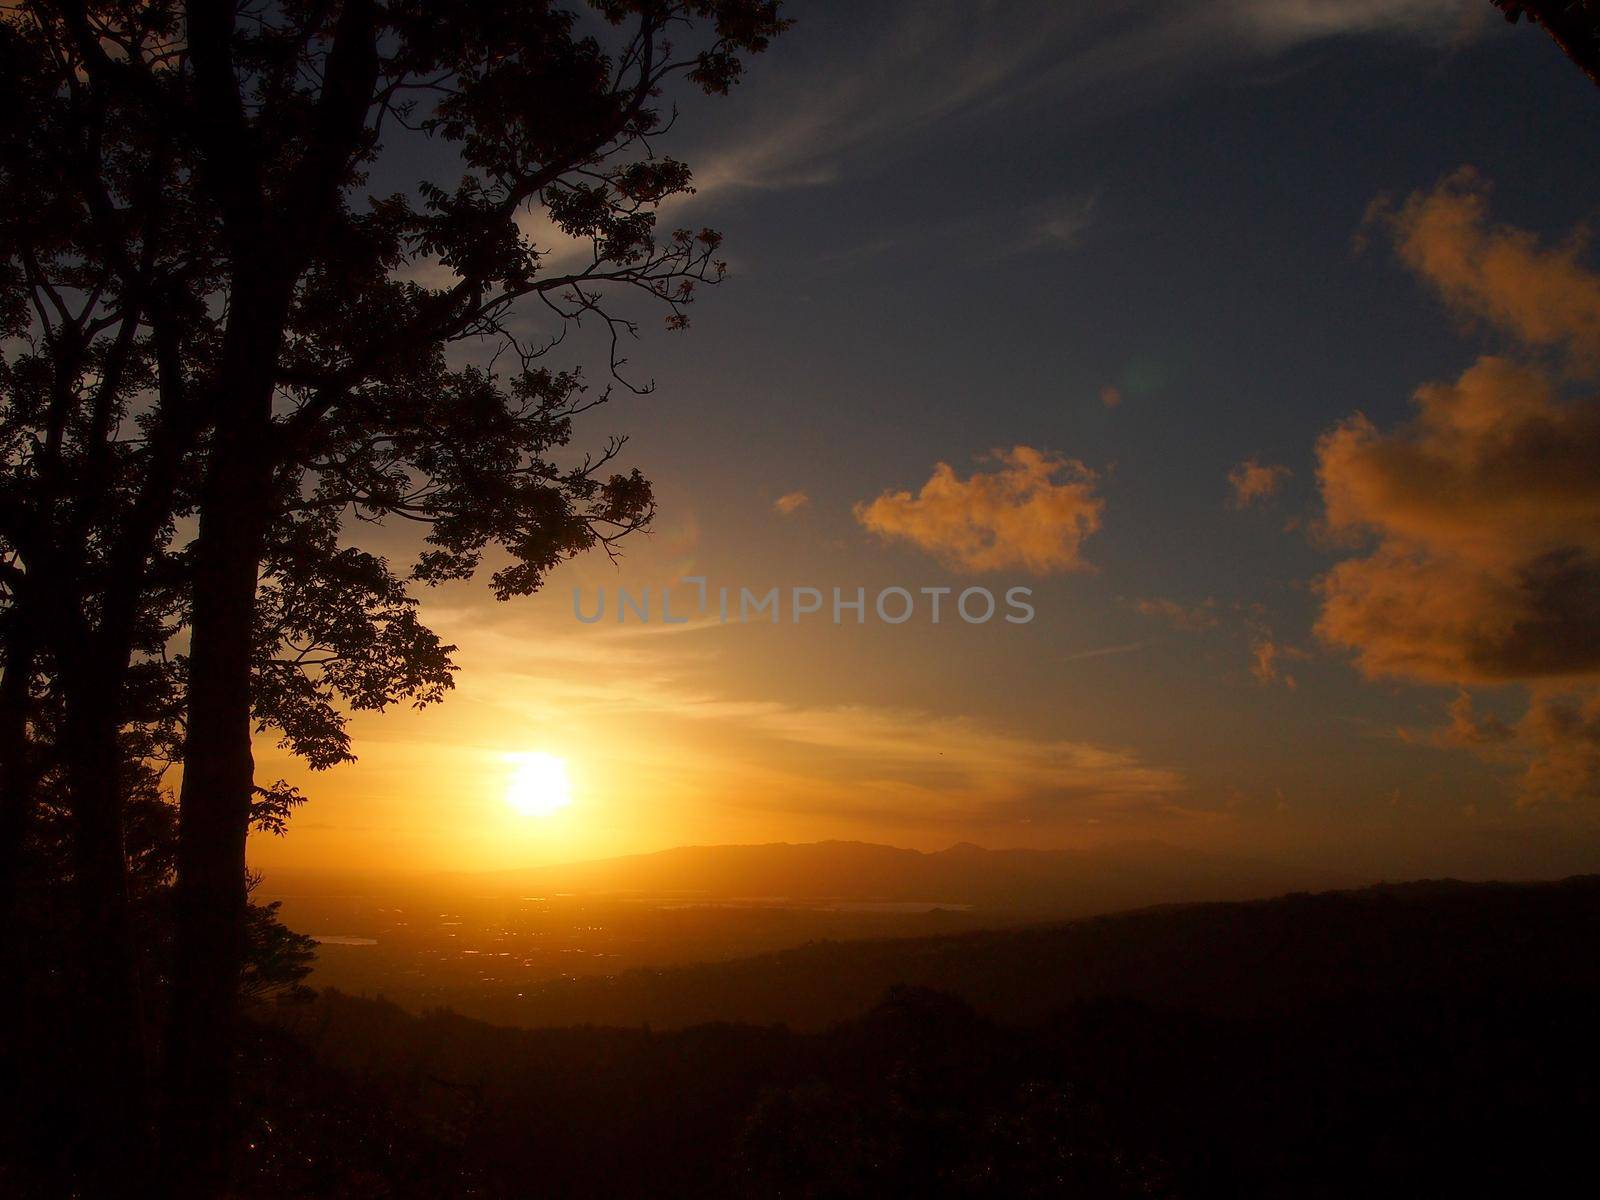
x: 1257, y: 339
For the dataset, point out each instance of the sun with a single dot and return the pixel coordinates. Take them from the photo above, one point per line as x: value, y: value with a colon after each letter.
x: 539, y: 785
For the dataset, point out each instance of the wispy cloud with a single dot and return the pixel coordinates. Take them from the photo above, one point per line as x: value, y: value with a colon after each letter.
x: 918, y: 65
x: 1192, y: 618
x: 909, y: 67
x: 1103, y: 652
x: 867, y: 760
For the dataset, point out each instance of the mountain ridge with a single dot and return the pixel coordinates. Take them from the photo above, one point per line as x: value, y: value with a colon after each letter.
x: 1241, y: 958
x: 1058, y: 881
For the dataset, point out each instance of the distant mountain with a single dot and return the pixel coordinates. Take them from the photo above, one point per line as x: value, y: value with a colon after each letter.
x: 1232, y: 959
x: 1055, y: 882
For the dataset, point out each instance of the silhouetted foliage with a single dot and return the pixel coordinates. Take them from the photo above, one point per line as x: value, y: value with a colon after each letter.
x: 1574, y: 25
x: 46, y: 1114
x: 278, y: 959
x: 222, y: 357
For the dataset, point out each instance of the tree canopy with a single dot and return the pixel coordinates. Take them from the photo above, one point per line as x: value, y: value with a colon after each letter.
x: 226, y: 354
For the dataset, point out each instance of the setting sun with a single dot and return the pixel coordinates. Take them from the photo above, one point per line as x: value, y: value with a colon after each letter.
x: 539, y: 785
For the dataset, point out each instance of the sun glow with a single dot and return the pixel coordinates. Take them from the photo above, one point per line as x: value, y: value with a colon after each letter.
x: 539, y: 785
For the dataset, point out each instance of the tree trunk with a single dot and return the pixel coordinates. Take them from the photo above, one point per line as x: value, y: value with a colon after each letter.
x: 17, y: 798
x: 218, y: 767
x: 236, y: 508
x: 218, y: 779
x: 16, y: 777
x: 105, y: 1029
x: 109, y: 1027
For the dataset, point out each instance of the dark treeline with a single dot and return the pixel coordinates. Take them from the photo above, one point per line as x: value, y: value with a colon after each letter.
x: 1238, y: 958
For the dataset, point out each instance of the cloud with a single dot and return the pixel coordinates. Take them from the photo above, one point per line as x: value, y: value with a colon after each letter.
x: 1264, y: 662
x: 1102, y: 652
x: 974, y: 758
x: 1056, y: 224
x: 1193, y: 619
x: 1563, y: 733
x: 1251, y: 481
x: 1290, y: 22
x: 1468, y: 728
x: 791, y: 502
x: 1555, y: 746
x: 1032, y: 511
x: 1544, y: 296
x: 1485, y: 509
x: 1265, y: 654
x: 861, y: 761
x: 905, y: 68
x: 1481, y: 514
x: 903, y: 71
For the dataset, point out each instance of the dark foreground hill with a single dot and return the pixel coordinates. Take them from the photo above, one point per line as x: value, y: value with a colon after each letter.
x: 1417, y: 1040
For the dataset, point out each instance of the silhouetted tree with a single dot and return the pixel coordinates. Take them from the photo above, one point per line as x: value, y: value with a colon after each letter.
x: 216, y: 333
x: 48, y: 1116
x: 1574, y: 25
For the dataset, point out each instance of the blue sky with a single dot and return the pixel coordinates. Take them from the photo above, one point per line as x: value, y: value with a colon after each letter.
x: 951, y: 228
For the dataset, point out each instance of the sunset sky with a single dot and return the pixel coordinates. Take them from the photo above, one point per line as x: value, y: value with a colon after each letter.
x: 1259, y: 338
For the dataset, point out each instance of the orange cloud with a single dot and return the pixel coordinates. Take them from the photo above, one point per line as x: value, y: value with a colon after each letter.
x: 1252, y: 481
x: 1267, y: 656
x: 1264, y: 664
x: 1033, y: 512
x: 1482, y: 513
x: 1563, y: 736
x: 1556, y: 744
x: 1468, y: 728
x: 1544, y: 296
x: 1486, y: 514
x: 791, y: 502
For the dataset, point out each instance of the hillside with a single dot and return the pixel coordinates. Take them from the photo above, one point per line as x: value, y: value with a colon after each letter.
x: 1420, y: 1039
x: 1233, y: 958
